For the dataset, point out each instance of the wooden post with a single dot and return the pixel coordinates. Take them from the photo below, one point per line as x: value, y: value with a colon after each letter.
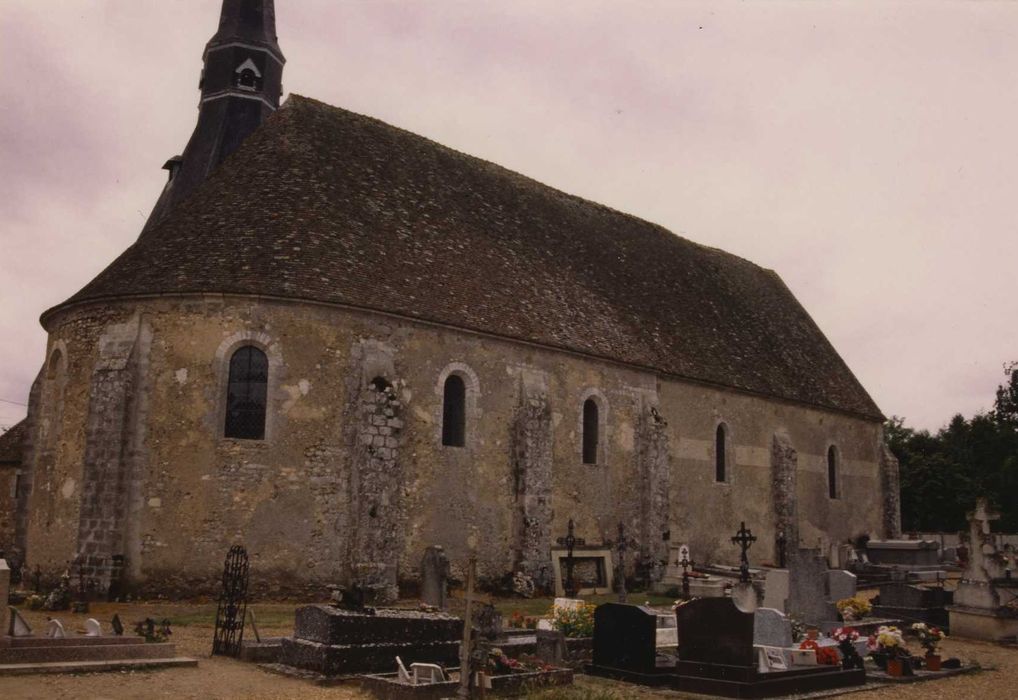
x: 465, y: 674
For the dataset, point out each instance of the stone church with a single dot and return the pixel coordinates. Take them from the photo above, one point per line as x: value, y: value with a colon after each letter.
x: 337, y: 342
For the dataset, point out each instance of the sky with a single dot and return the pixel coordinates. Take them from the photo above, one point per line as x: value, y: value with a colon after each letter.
x: 866, y: 151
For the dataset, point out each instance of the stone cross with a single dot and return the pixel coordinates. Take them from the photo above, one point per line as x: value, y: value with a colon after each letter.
x: 981, y: 541
x: 569, y: 542
x: 745, y: 539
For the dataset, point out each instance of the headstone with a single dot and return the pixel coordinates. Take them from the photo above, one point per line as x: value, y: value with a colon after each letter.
x: 551, y: 646
x: 716, y: 631
x: 5, y: 581
x: 434, y: 577
x: 55, y: 629
x: 771, y: 629
x: 18, y: 627
x: 808, y: 598
x: 776, y: 589
x: 625, y: 637
x: 840, y: 584
x: 93, y: 628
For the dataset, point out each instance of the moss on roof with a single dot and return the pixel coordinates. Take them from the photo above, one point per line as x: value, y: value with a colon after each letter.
x: 327, y: 205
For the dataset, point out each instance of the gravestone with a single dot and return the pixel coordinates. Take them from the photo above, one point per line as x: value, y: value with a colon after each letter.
x: 841, y: 584
x: 18, y: 627
x: 808, y: 597
x: 434, y: 577
x: 716, y: 631
x: 776, y: 589
x: 93, y: 628
x: 625, y: 638
x: 551, y: 646
x: 771, y: 629
x: 916, y: 603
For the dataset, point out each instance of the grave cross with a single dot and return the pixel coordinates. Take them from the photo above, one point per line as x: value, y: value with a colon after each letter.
x: 745, y: 539
x: 569, y: 542
x: 686, y: 565
x: 621, y: 545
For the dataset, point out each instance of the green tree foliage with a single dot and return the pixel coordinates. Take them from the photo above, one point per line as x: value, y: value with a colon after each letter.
x: 942, y: 474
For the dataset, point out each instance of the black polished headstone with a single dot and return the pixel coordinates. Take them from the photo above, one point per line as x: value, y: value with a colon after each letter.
x: 715, y: 631
x: 625, y: 637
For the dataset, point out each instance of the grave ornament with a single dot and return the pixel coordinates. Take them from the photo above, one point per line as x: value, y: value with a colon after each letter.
x: 93, y: 628
x: 745, y: 539
x: 18, y: 627
x: 55, y: 629
x: 230, y: 613
x: 570, y: 541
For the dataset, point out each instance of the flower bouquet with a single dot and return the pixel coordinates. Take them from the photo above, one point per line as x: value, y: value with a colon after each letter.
x: 929, y: 638
x: 826, y: 656
x: 846, y: 638
x: 853, y: 608
x: 888, y: 650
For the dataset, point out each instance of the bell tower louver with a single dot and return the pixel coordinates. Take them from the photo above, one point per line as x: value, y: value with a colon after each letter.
x: 241, y: 84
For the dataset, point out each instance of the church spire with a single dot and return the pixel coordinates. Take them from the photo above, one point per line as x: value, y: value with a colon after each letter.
x: 241, y: 83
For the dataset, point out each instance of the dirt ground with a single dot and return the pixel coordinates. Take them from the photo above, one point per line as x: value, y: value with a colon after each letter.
x: 225, y: 679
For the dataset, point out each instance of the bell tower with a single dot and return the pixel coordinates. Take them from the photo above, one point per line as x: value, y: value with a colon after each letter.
x: 241, y: 84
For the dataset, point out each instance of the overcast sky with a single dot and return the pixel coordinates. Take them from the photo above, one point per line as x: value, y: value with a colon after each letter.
x: 867, y: 152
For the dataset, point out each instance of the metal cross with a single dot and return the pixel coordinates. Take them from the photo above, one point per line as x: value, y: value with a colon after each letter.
x: 745, y: 539
x: 686, y: 565
x: 569, y: 542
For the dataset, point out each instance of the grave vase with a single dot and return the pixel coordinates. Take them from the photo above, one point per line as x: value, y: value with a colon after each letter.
x: 933, y: 662
x: 895, y: 668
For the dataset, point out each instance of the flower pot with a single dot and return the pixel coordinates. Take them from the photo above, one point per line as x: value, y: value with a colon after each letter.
x: 895, y: 668
x: 933, y: 662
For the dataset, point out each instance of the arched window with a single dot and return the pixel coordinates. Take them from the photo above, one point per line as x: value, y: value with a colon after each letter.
x: 454, y: 412
x: 591, y: 425
x: 720, y: 456
x: 246, y: 394
x: 832, y: 472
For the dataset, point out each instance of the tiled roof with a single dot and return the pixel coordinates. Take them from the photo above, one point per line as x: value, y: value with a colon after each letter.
x: 12, y: 444
x: 326, y: 205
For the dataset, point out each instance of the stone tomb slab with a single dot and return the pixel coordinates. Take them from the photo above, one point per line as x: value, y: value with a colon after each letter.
x: 333, y: 642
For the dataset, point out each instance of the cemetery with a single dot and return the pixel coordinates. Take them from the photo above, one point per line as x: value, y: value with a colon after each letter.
x: 747, y: 630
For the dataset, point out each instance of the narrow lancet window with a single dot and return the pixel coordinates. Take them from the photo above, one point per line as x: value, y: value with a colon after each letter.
x: 246, y: 394
x: 832, y: 472
x: 454, y: 412
x: 590, y: 430
x: 720, y: 456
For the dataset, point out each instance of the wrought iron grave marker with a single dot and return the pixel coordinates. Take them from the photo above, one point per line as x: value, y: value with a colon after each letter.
x: 232, y: 609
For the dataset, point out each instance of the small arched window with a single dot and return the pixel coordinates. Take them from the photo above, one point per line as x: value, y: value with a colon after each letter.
x: 454, y: 412
x: 246, y: 394
x: 591, y: 424
x: 832, y: 472
x: 720, y: 454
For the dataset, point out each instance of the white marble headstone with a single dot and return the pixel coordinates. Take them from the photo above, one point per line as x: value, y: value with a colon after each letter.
x: 93, y: 628
x: 55, y: 630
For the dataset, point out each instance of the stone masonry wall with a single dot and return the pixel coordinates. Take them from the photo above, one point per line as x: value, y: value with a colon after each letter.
x: 302, y: 499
